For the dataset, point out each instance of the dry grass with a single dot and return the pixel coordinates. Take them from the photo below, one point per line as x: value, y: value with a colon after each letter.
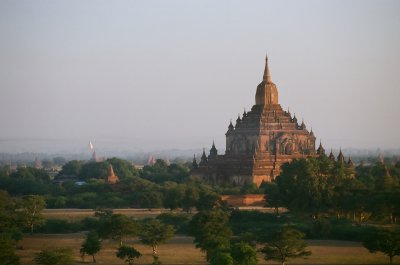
x: 79, y: 214
x: 180, y: 250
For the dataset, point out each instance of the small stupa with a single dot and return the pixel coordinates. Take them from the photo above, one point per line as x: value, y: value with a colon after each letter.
x: 111, y: 177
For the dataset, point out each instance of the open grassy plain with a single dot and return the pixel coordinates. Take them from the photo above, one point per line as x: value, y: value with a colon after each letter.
x: 181, y: 250
x: 78, y: 214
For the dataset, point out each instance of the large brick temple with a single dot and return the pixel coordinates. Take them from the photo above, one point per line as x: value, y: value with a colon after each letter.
x: 259, y: 143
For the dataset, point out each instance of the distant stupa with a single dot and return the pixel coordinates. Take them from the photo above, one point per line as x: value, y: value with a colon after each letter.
x: 111, y: 177
x: 94, y: 157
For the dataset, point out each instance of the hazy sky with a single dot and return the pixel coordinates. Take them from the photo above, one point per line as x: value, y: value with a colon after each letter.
x: 164, y: 74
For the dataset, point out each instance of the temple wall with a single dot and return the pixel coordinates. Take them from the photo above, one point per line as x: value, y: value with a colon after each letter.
x: 244, y: 200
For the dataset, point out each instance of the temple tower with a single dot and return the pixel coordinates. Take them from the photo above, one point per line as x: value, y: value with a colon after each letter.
x: 266, y: 93
x: 260, y: 142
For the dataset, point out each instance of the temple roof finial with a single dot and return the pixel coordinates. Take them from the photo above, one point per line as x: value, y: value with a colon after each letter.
x: 267, y: 75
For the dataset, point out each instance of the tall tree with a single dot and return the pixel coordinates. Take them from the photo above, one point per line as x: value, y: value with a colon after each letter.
x: 153, y: 232
x: 190, y: 198
x: 32, y: 207
x: 385, y: 241
x: 211, y: 231
x: 273, y: 196
x: 174, y: 195
x: 244, y: 254
x: 284, y: 244
x: 7, y: 253
x: 117, y: 227
x: 91, y: 245
x: 128, y: 254
x: 221, y: 258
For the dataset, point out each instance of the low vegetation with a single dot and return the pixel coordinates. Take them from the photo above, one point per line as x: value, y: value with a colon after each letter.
x: 326, y: 200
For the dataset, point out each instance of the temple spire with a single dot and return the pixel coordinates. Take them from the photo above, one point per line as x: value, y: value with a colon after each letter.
x: 267, y: 74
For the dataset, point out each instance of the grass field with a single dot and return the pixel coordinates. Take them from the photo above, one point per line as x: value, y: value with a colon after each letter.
x: 181, y: 250
x: 78, y: 214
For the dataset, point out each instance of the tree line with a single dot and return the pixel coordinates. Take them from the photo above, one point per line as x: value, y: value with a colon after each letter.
x: 324, y: 187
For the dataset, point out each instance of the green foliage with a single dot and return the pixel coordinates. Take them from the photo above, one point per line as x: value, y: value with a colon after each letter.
x: 27, y: 180
x: 117, y: 227
x: 160, y: 172
x: 190, y: 198
x: 273, y: 197
x: 211, y: 231
x: 20, y: 186
x: 303, y: 187
x: 318, y: 186
x: 59, y: 160
x: 244, y: 254
x: 153, y: 232
x: 208, y: 200
x: 179, y: 221
x: 60, y: 226
x: 94, y: 170
x: 173, y: 197
x: 255, y: 222
x: 72, y: 168
x: 54, y: 256
x: 385, y: 241
x: 321, y: 228
x: 249, y: 188
x: 122, y: 168
x: 30, y: 173
x: 221, y: 258
x: 8, y: 214
x: 284, y: 244
x: 91, y: 245
x: 56, y: 202
x: 32, y: 207
x: 7, y: 253
x: 127, y: 253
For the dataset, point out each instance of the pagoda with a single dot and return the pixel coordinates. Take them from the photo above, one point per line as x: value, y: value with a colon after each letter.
x: 260, y: 142
x: 111, y: 177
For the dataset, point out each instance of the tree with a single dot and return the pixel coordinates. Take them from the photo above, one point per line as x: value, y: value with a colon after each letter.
x: 117, y: 227
x: 173, y: 197
x: 7, y: 253
x: 55, y: 256
x: 94, y: 170
x: 190, y: 198
x: 221, y: 258
x: 284, y: 244
x: 32, y: 207
x: 385, y: 241
x: 303, y: 186
x: 156, y: 261
x: 207, y: 200
x: 10, y: 225
x: 127, y: 253
x: 273, y: 196
x: 59, y: 160
x: 72, y: 168
x: 211, y: 231
x: 122, y: 168
x: 154, y: 232
x: 244, y: 254
x: 47, y: 163
x: 92, y: 245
